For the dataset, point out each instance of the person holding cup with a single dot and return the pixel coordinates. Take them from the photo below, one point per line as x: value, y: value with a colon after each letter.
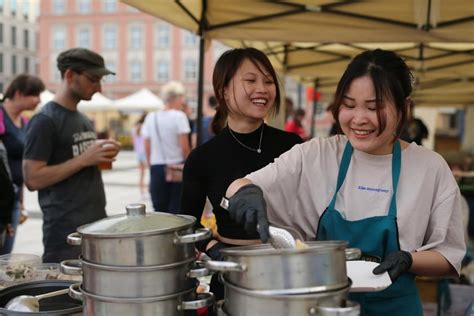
x: 62, y: 156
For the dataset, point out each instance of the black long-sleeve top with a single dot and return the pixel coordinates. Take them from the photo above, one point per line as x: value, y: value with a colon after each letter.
x: 213, y: 166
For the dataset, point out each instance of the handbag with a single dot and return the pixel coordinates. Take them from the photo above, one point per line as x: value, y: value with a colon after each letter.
x: 174, y: 171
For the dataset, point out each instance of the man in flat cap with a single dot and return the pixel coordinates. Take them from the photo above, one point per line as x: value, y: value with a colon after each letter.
x: 61, y: 155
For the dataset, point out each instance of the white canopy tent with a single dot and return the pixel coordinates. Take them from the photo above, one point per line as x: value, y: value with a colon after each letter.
x: 99, y: 102
x: 45, y: 97
x: 142, y: 100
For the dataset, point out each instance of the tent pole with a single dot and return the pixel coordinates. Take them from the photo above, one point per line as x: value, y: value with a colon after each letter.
x: 202, y: 43
x: 300, y: 91
x: 200, y: 91
x: 315, y: 107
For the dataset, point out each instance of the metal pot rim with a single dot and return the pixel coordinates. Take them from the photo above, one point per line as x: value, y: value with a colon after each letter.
x: 267, y: 249
x: 135, y: 268
x: 302, y: 293
x: 140, y: 300
x: 105, y: 235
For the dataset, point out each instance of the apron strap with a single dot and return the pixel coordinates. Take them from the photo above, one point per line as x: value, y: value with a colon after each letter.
x: 345, y: 162
x: 396, y: 166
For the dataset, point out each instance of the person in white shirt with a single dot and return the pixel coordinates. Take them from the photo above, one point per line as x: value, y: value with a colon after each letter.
x: 166, y: 136
x: 396, y: 201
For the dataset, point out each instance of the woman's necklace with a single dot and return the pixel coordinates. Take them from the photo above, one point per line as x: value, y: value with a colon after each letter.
x: 258, y: 150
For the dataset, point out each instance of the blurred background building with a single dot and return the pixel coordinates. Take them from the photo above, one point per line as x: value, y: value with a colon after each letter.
x: 18, y: 38
x: 144, y: 51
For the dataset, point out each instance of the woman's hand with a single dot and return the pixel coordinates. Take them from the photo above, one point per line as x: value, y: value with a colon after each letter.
x: 10, y: 230
x: 248, y: 208
x: 396, y: 264
x: 214, y: 252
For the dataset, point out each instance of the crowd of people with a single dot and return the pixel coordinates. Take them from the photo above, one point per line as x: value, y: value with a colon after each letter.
x: 370, y: 184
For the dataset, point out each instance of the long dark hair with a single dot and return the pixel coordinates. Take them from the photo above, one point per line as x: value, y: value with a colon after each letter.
x: 225, y: 69
x: 391, y: 78
x: 25, y: 84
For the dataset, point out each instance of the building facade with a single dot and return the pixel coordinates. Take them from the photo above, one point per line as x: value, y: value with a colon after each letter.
x: 144, y: 51
x: 18, y: 39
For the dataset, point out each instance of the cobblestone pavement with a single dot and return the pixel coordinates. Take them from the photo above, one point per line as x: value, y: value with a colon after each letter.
x: 121, y: 188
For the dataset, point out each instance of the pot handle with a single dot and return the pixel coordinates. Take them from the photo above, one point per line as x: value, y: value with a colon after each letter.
x: 75, y: 291
x: 204, y: 299
x: 199, y: 271
x: 200, y: 234
x: 353, y: 254
x: 74, y: 239
x: 71, y: 267
x: 225, y: 266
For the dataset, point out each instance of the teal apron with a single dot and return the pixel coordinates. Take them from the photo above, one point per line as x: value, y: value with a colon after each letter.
x: 376, y: 237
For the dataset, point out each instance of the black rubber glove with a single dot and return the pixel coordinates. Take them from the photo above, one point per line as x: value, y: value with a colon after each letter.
x: 396, y: 263
x: 248, y: 208
x: 215, y: 251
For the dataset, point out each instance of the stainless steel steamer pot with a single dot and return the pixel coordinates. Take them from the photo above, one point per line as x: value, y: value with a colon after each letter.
x: 135, y: 282
x: 169, y: 305
x: 350, y: 308
x: 242, y: 302
x: 138, y: 238
x: 321, y: 266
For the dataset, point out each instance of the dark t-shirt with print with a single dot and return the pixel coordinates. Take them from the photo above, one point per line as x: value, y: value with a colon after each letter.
x: 56, y: 135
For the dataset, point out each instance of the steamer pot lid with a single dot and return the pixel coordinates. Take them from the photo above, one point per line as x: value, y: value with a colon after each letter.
x: 136, y: 220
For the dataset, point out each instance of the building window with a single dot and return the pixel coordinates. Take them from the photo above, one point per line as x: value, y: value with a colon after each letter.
x: 84, y: 37
x: 13, y: 7
x: 189, y: 39
x: 1, y: 33
x: 26, y: 9
x: 135, y: 71
x: 110, y: 5
x: 59, y: 38
x: 110, y: 37
x: 59, y: 7
x: 84, y: 6
x: 14, y: 65
x: 1, y: 9
x: 112, y: 67
x: 26, y: 38
x: 26, y: 65
x: 190, y: 70
x: 13, y: 34
x: 136, y: 36
x: 163, y: 35
x: 162, y: 71
x: 1, y: 64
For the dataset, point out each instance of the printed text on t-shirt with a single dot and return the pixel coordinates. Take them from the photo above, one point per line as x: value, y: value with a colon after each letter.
x: 364, y: 188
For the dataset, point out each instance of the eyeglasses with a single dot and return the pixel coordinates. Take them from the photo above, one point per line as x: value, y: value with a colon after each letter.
x: 93, y: 79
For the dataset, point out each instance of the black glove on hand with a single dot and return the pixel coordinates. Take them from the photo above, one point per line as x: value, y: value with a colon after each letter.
x: 215, y: 251
x: 396, y: 263
x: 248, y: 208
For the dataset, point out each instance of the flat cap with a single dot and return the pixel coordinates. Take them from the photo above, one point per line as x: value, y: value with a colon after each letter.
x: 83, y: 59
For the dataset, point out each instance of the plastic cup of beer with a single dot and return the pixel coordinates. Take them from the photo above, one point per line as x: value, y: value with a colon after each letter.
x: 105, y: 165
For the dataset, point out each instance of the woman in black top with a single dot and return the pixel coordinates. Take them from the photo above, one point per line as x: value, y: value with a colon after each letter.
x: 245, y: 85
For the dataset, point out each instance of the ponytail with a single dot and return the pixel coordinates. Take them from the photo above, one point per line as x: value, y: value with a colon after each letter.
x: 219, y: 120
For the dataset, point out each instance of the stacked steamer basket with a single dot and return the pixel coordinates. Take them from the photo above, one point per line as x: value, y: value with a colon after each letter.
x: 262, y: 280
x: 138, y: 264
